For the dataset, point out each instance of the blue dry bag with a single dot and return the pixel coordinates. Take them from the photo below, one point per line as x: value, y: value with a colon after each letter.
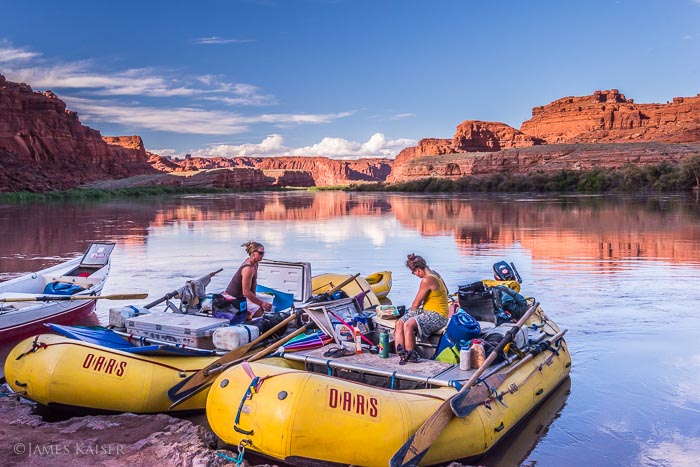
x: 461, y: 329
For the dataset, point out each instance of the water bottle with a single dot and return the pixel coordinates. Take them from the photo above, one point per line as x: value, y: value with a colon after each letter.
x: 358, y: 341
x: 477, y: 354
x: 384, y: 344
x: 464, y: 358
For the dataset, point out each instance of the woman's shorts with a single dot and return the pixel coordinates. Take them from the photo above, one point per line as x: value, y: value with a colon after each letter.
x: 428, y: 321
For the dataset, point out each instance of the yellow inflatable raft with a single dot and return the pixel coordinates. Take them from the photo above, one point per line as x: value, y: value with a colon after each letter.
x: 291, y: 410
x: 324, y: 282
x: 51, y: 369
x: 380, y: 282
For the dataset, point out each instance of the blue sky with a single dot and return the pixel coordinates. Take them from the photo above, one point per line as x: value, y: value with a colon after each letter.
x: 338, y: 78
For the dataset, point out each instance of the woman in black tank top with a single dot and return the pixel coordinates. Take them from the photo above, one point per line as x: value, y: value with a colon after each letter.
x: 245, y: 280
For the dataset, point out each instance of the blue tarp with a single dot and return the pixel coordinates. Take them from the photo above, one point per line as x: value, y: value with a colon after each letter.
x: 282, y: 300
x: 62, y: 288
x: 110, y: 339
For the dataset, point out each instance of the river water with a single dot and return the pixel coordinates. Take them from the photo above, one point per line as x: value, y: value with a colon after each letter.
x: 620, y: 273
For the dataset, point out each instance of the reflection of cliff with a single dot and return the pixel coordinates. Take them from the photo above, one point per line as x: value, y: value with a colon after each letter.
x: 58, y: 230
x: 594, y: 229
x: 589, y: 228
x: 274, y: 206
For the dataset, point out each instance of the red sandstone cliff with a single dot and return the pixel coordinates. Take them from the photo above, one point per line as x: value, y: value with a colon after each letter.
x: 565, y: 134
x: 43, y: 146
x: 607, y: 116
x: 471, y: 136
x: 293, y: 171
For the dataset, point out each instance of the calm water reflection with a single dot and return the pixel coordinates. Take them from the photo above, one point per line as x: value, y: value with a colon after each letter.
x: 618, y: 272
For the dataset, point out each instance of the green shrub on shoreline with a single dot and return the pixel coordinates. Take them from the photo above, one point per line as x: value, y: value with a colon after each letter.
x: 97, y: 194
x: 630, y: 178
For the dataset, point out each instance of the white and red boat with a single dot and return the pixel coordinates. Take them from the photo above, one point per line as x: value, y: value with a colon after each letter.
x: 54, y: 294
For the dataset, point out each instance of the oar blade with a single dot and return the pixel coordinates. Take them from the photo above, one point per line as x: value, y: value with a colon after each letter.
x: 415, y: 448
x: 463, y: 403
x: 190, y: 386
x: 397, y: 459
x: 177, y: 395
x: 198, y: 381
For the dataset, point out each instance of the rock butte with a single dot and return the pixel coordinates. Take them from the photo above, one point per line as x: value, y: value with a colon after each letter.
x: 43, y: 147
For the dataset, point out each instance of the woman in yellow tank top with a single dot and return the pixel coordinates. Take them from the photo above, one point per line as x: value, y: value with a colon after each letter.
x: 428, y: 313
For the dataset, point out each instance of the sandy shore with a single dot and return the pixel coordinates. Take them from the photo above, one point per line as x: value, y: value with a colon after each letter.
x: 103, y: 440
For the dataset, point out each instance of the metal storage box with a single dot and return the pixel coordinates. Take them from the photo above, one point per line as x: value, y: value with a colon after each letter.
x: 189, y: 330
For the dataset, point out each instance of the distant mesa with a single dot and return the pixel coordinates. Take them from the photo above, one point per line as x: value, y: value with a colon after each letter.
x: 604, y: 130
x: 43, y: 147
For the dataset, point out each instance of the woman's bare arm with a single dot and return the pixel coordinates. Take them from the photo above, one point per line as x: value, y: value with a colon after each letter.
x: 247, y: 282
x: 426, y: 285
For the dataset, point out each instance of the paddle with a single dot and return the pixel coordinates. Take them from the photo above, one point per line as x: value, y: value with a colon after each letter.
x: 55, y: 298
x: 211, y: 374
x: 322, y: 297
x: 481, y: 392
x: 201, y: 379
x: 174, y: 293
x: 418, y: 444
x: 202, y: 376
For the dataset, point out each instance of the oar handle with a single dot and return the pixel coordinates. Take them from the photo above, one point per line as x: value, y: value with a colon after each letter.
x: 221, y: 362
x: 264, y: 352
x: 278, y: 344
x: 162, y: 299
x: 508, y: 337
x: 62, y: 298
x: 328, y: 293
x: 174, y: 292
x: 532, y: 354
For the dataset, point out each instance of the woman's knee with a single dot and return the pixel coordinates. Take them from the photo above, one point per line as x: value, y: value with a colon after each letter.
x: 411, y: 325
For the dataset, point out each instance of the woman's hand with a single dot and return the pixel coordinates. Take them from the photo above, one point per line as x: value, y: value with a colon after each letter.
x: 266, y: 306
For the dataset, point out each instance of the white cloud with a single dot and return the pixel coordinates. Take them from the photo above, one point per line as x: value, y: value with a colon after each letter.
x: 674, y: 449
x: 98, y: 97
x: 138, y: 82
x: 402, y: 116
x: 272, y: 145
x: 13, y: 54
x: 164, y: 152
x: 285, y: 119
x: 80, y: 75
x: 180, y: 120
x: 336, y: 148
x: 134, y: 82
x: 184, y: 119
x: 220, y: 40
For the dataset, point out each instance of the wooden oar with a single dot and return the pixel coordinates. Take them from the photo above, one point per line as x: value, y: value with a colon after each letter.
x: 481, y: 392
x: 211, y: 374
x: 201, y: 379
x: 324, y: 295
x: 413, y: 450
x: 55, y: 298
x: 174, y: 293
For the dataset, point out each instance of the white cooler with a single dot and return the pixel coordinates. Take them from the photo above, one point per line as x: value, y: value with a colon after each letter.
x: 118, y: 316
x: 233, y: 337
